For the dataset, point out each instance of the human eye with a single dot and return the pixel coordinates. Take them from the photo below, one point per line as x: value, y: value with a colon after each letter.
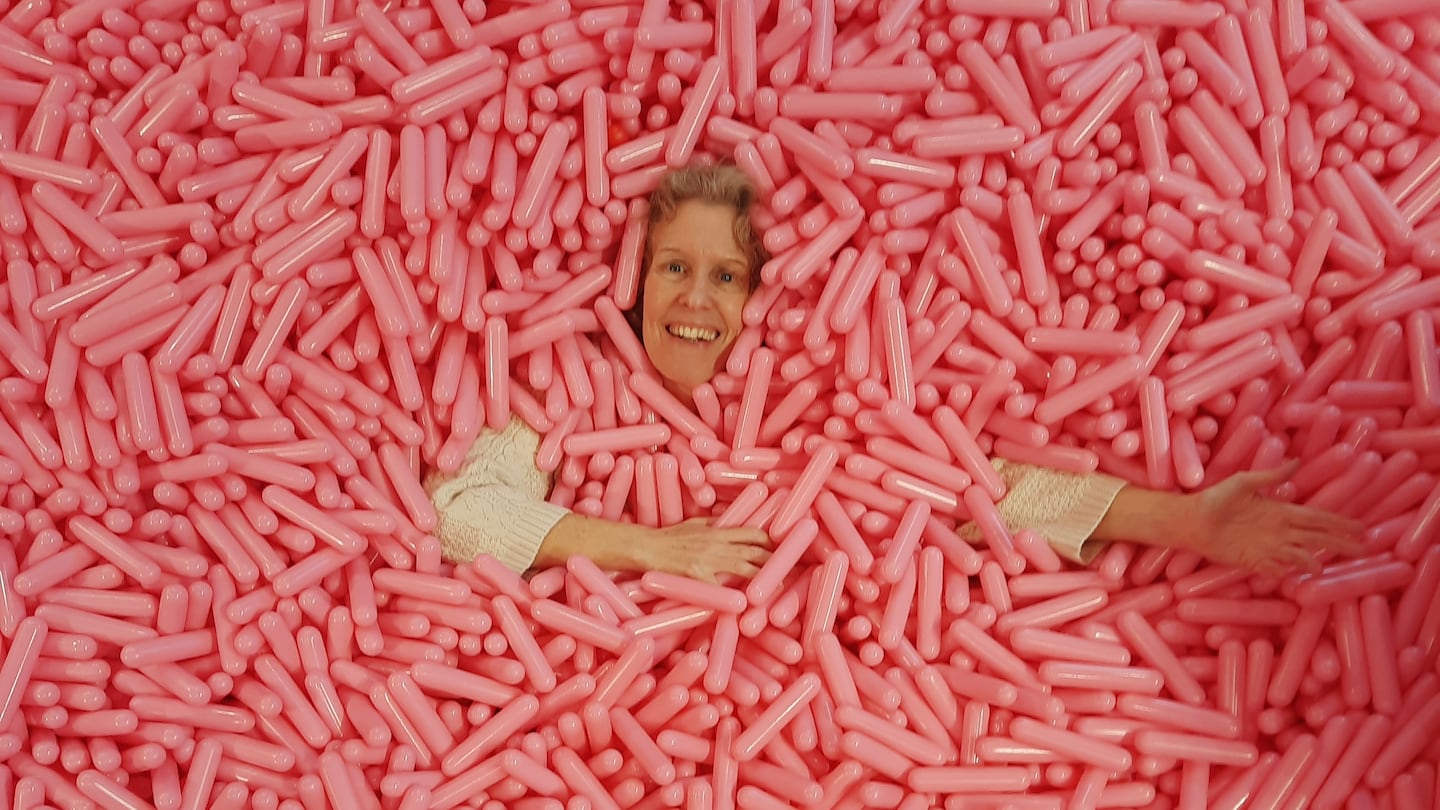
x: 732, y: 276
x: 674, y: 267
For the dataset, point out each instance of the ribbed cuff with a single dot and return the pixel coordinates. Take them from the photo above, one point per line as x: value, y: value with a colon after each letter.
x: 528, y: 531
x: 1071, y: 537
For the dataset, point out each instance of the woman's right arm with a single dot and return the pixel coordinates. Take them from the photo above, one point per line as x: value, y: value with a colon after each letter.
x: 495, y: 504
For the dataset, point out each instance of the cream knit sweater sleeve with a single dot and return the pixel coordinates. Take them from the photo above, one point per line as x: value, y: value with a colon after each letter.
x: 1064, y: 507
x: 495, y: 503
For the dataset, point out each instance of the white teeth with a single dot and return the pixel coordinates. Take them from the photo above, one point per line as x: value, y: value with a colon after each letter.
x: 694, y: 333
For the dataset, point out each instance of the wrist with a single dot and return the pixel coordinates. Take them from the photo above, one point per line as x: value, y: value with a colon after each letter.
x: 623, y: 547
x: 1167, y: 519
x: 635, y: 550
x: 611, y: 545
x: 1187, y: 517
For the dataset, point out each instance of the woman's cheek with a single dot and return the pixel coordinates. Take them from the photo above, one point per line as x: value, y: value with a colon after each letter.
x: 735, y: 313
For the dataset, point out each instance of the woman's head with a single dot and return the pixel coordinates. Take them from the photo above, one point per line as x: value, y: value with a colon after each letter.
x: 702, y: 260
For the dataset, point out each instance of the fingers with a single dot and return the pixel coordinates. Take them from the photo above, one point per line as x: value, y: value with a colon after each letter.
x: 725, y: 560
x: 1320, y: 541
x: 746, y: 570
x: 734, y: 576
x: 1266, y: 480
x: 1299, y: 558
x: 744, y: 567
x: 1282, y: 559
x: 744, y: 536
x: 698, y: 532
x: 1343, y: 545
x: 1320, y: 520
x: 746, y: 559
x: 696, y: 550
x: 1326, y: 531
x: 738, y: 554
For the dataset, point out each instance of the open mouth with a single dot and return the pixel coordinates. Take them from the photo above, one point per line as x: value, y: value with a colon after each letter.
x: 693, y: 334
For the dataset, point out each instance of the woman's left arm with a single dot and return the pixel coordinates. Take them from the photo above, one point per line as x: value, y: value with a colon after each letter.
x: 1234, y: 522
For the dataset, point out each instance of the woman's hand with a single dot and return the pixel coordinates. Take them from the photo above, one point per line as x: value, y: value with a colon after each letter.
x: 1236, y: 522
x: 693, y: 548
x: 698, y: 550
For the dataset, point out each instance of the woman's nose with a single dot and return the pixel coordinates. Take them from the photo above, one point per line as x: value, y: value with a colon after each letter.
x: 697, y: 289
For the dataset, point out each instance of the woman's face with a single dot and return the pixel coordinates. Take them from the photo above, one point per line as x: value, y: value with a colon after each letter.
x: 695, y: 291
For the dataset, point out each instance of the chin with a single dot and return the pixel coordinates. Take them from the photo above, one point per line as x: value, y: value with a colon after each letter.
x: 683, y: 378
x: 684, y: 383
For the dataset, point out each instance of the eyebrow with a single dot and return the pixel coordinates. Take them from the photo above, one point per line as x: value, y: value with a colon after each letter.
x: 734, y: 258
